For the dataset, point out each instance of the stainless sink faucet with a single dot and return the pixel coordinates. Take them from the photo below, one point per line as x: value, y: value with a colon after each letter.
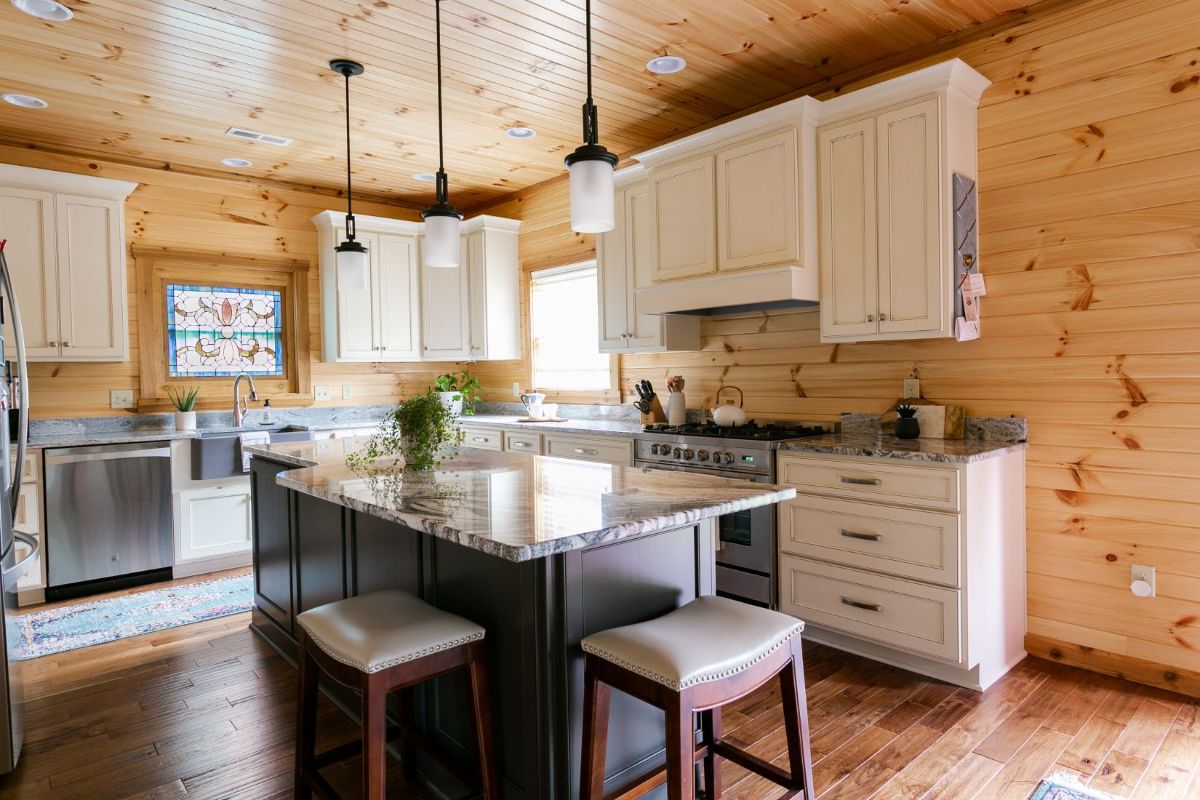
x: 240, y: 407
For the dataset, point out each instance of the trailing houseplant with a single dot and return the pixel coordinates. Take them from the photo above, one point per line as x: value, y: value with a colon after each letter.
x: 184, y: 400
x: 421, y: 430
x: 907, y: 424
x: 460, y: 393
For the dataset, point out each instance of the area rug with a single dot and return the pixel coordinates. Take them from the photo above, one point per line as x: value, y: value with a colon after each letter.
x: 1066, y: 786
x: 55, y: 630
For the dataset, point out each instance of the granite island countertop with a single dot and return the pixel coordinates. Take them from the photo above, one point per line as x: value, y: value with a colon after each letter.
x: 517, y: 506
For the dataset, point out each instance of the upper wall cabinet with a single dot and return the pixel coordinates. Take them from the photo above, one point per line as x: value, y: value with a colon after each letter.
x: 887, y: 156
x: 66, y: 251
x: 383, y: 321
x: 624, y: 261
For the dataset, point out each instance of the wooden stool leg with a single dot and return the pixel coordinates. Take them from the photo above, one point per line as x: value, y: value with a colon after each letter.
x: 306, y: 720
x: 406, y: 703
x: 374, y: 732
x: 795, y: 719
x: 596, y: 699
x: 710, y: 721
x: 681, y: 747
x: 482, y: 718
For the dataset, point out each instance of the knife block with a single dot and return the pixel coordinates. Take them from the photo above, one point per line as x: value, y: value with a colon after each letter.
x: 656, y: 413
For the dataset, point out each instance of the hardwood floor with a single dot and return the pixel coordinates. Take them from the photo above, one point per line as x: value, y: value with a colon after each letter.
x: 206, y: 711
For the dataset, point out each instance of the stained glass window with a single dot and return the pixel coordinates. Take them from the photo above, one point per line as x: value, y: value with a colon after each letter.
x: 213, y: 331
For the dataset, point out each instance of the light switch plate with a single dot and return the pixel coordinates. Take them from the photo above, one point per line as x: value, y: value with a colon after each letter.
x: 912, y: 388
x: 322, y: 393
x: 516, y: 389
x: 347, y: 391
x: 1141, y: 572
x: 120, y: 398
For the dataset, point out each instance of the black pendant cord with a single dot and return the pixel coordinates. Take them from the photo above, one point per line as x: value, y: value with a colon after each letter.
x: 443, y: 184
x: 591, y: 122
x: 349, y: 191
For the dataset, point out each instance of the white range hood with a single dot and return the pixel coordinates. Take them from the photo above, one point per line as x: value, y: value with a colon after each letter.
x: 732, y: 292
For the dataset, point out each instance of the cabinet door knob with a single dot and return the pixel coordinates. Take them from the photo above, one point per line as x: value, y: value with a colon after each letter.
x: 52, y: 344
x: 870, y: 317
x: 66, y: 344
x: 883, y: 317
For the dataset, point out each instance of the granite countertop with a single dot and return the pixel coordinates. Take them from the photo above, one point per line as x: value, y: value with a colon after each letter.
x: 595, y: 427
x: 514, y: 505
x: 71, y: 438
x: 952, y: 451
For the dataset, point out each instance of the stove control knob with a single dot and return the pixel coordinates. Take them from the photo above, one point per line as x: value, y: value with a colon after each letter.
x: 656, y: 449
x: 679, y: 452
x: 702, y: 455
x: 726, y: 458
x: 687, y: 454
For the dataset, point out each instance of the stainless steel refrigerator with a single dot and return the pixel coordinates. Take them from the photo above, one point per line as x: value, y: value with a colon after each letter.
x: 14, y: 567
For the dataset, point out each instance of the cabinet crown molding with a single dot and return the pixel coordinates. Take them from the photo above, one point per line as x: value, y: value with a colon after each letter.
x: 65, y: 182
x: 327, y: 220
x: 629, y: 175
x: 490, y: 223
x: 954, y: 77
x: 803, y: 111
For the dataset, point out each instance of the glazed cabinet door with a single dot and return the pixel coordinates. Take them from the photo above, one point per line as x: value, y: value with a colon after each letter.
x: 91, y: 279
x: 446, y: 306
x: 357, y: 319
x: 908, y: 164
x: 398, y: 303
x: 846, y: 196
x: 758, y: 216
x: 613, y: 275
x: 683, y: 231
x: 27, y: 219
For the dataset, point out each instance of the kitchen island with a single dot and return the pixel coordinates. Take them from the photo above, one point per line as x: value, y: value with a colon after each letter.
x: 540, y: 551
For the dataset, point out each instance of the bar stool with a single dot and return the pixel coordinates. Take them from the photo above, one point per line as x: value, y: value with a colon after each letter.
x: 380, y: 643
x: 695, y: 659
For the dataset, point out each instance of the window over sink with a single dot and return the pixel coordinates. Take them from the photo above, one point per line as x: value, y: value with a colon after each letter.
x: 565, y: 331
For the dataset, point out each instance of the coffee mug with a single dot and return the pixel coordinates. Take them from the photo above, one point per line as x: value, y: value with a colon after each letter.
x: 550, y: 410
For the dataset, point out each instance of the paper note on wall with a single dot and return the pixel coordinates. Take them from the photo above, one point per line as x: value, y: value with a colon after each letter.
x: 965, y: 329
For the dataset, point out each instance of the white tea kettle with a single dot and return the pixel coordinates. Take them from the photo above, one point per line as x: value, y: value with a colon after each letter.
x: 729, y: 414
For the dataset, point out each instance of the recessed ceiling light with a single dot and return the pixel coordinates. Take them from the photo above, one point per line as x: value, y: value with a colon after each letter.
x: 25, y: 101
x: 427, y: 177
x: 520, y: 132
x: 666, y: 65
x: 236, y: 162
x: 51, y: 10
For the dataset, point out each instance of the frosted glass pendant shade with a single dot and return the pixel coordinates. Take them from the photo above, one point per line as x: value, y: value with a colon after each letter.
x: 441, y: 247
x: 351, y: 267
x: 592, y: 196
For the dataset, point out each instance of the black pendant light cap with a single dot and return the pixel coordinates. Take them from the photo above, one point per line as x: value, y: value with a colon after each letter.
x: 346, y: 68
x: 591, y: 152
x: 351, y: 246
x: 441, y: 210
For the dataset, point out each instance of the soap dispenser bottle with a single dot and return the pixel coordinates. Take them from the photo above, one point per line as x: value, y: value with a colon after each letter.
x: 267, y: 417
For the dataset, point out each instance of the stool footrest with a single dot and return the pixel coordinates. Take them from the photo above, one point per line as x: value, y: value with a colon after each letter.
x: 651, y: 779
x: 759, y: 767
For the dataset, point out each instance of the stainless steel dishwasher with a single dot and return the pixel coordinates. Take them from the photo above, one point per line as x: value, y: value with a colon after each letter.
x: 108, y: 516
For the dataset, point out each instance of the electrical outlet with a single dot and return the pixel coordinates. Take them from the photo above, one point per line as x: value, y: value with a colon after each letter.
x: 912, y: 388
x: 120, y: 398
x: 322, y: 393
x: 347, y: 391
x: 516, y: 389
x: 1140, y: 572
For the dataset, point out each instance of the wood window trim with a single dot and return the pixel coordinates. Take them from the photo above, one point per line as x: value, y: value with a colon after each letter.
x: 157, y: 266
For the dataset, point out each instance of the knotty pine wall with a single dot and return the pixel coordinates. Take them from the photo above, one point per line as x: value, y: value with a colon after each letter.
x: 191, y: 212
x: 1090, y: 223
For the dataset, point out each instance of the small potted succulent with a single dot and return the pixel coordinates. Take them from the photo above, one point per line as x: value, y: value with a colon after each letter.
x: 421, y: 430
x: 459, y: 393
x: 184, y: 401
x: 907, y: 424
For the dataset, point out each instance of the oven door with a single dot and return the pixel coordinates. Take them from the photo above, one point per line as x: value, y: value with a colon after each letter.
x: 747, y: 538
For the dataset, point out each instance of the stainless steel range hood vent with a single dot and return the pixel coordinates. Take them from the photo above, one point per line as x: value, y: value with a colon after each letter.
x: 734, y: 292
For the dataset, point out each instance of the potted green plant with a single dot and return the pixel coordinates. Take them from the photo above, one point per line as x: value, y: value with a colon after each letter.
x: 421, y: 430
x: 459, y: 393
x: 184, y: 401
x: 907, y: 424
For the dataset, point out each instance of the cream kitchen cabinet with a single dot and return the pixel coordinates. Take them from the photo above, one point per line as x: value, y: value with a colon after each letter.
x: 213, y: 520
x: 623, y: 262
x: 67, y: 252
x: 887, y: 156
x: 683, y: 231
x: 758, y: 202
x: 31, y: 587
x: 446, y: 310
x: 916, y: 564
x: 608, y: 449
x: 383, y: 321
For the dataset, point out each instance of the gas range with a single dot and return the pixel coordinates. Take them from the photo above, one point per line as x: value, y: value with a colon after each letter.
x: 742, y: 449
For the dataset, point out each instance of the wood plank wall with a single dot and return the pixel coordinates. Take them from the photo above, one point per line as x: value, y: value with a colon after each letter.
x: 1090, y: 223
x: 246, y: 218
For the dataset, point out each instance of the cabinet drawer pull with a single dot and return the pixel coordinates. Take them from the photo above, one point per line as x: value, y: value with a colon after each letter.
x: 846, y: 601
x: 520, y: 444
x: 868, y: 537
x: 482, y: 439
x: 860, y: 481
x: 585, y: 451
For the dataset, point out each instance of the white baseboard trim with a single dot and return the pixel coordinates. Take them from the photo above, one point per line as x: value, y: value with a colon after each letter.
x: 200, y: 566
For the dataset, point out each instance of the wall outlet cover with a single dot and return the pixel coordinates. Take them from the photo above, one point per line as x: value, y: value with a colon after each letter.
x: 347, y: 391
x: 516, y: 389
x: 120, y: 398
x: 1142, y: 580
x: 322, y: 393
x: 912, y: 388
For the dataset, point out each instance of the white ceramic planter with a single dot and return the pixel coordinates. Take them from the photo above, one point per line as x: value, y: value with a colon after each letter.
x: 453, y: 401
x: 185, y: 420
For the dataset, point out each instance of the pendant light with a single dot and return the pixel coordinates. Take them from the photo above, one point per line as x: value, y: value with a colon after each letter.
x: 442, y: 220
x: 351, y: 254
x: 591, y: 166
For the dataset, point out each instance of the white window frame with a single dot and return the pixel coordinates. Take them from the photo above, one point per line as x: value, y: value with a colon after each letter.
x: 609, y: 393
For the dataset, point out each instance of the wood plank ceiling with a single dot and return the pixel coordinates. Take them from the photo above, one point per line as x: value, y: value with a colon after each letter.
x: 159, y: 81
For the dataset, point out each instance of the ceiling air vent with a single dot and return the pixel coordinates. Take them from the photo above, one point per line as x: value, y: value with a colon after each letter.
x: 255, y: 136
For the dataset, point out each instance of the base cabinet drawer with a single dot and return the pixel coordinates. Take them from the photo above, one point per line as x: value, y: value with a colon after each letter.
x: 611, y: 452
x: 898, y: 541
x: 34, y: 576
x: 900, y: 613
x: 483, y: 439
x: 929, y: 487
x: 523, y: 442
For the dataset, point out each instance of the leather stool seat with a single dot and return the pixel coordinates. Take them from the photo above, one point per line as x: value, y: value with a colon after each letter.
x: 373, y: 632
x: 709, y: 639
